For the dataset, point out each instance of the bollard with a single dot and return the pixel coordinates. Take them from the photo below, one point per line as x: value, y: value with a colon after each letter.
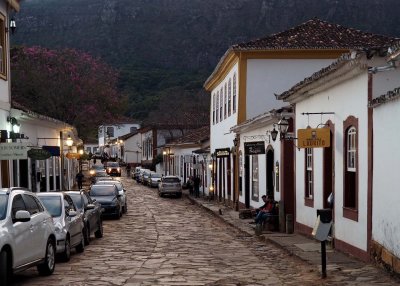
x: 289, y: 223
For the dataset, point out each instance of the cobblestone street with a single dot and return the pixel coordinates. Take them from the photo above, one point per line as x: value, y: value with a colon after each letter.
x: 169, y: 241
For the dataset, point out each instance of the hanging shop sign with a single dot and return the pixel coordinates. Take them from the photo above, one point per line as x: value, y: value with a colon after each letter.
x: 13, y: 151
x: 54, y: 150
x: 314, y: 138
x: 39, y: 154
x: 254, y: 148
x: 73, y: 155
x: 222, y: 153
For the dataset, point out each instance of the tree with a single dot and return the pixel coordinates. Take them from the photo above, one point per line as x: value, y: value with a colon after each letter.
x: 181, y: 109
x: 68, y: 85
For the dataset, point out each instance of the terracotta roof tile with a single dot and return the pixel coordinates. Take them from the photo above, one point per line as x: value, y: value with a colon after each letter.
x: 318, y: 34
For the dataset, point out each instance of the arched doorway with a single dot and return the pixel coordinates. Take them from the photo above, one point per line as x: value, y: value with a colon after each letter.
x: 270, y: 171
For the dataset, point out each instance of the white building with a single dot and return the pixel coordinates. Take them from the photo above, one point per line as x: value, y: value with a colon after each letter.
x: 131, y: 148
x: 49, y: 168
x: 260, y: 149
x: 189, y: 156
x: 356, y: 165
x: 246, y: 78
x: 6, y: 7
x: 109, y: 132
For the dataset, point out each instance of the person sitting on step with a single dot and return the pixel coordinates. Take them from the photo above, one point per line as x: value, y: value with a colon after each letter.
x: 265, y: 210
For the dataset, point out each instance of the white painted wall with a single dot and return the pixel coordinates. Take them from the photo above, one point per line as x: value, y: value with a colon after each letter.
x: 220, y: 136
x: 268, y: 76
x: 4, y: 84
x: 133, y: 151
x: 386, y: 179
x: 261, y: 163
x: 345, y: 99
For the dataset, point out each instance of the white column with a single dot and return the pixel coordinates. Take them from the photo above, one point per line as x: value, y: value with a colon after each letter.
x: 54, y: 173
x: 29, y: 174
x: 47, y: 172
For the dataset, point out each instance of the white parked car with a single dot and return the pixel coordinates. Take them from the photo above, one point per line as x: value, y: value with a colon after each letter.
x: 27, y: 234
x: 68, y: 222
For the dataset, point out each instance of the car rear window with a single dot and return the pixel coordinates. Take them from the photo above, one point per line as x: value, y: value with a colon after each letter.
x: 102, y: 191
x: 3, y: 206
x: 116, y: 183
x: 171, y: 180
x: 52, y: 204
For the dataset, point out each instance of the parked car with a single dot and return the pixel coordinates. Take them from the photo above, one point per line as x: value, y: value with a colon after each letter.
x: 99, y: 174
x: 136, y: 173
x: 145, y: 177
x: 27, y: 234
x: 68, y: 222
x: 113, y: 168
x: 154, y: 179
x: 170, y: 185
x: 121, y: 191
x: 109, y: 199
x: 140, y: 175
x: 91, y: 211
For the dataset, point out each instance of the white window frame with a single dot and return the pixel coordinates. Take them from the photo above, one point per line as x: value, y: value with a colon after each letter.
x: 351, y: 149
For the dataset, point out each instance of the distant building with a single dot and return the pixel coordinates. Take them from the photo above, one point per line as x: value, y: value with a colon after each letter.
x: 108, y: 132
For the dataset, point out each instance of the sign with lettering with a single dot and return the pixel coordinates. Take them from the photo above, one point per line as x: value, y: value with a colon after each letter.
x: 54, y: 150
x: 313, y: 138
x: 222, y: 153
x: 254, y: 148
x: 39, y: 154
x: 13, y: 151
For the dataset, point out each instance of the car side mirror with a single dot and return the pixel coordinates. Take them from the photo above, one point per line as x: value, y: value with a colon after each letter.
x: 90, y: 207
x: 22, y: 216
x: 124, y: 191
x: 72, y: 213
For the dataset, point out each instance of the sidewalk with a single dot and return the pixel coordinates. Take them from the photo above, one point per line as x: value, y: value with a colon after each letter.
x: 307, y: 249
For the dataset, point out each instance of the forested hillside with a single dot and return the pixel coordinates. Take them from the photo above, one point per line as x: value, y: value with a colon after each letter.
x: 171, y: 46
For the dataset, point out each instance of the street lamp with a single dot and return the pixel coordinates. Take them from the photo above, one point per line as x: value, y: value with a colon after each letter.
x: 69, y: 141
x: 283, y: 126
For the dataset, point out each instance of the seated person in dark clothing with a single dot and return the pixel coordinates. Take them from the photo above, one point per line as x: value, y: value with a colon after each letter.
x: 265, y: 210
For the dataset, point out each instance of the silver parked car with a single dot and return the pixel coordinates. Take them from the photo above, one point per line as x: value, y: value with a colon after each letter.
x: 170, y: 185
x: 27, y: 235
x: 68, y: 222
x: 154, y: 179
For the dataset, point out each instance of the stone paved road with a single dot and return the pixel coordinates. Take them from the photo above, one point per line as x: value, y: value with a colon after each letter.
x: 169, y: 241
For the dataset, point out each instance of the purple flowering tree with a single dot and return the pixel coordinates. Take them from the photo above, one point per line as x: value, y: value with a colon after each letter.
x: 68, y: 85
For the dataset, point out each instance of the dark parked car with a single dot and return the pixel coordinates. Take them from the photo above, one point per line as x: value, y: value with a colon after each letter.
x: 91, y: 211
x: 109, y: 199
x: 121, y: 190
x: 113, y: 168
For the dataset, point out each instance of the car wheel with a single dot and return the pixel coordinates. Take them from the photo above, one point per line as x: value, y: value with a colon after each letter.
x: 81, y: 246
x: 47, y: 267
x: 99, y: 231
x: 66, y: 255
x: 5, y: 269
x: 179, y: 195
x: 87, y: 234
